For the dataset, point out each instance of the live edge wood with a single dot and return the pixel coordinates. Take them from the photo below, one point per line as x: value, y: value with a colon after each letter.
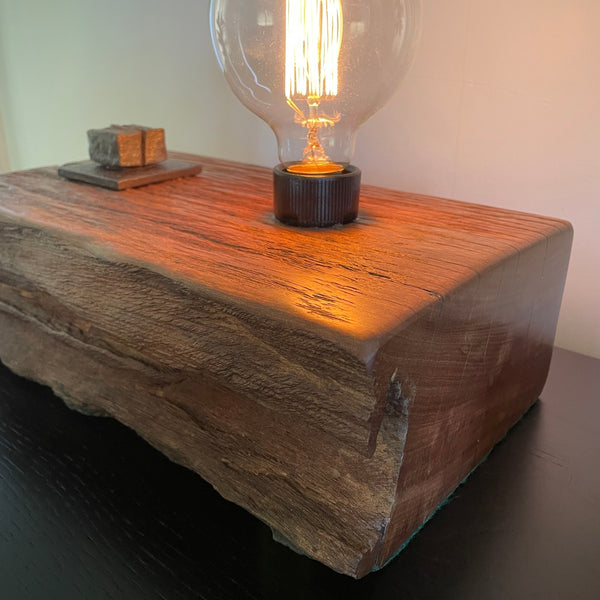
x: 338, y: 384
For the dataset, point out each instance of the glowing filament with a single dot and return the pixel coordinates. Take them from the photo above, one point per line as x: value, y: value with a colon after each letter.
x: 313, y: 42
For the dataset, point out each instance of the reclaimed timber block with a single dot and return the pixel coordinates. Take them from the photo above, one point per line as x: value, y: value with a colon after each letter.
x: 338, y: 384
x: 155, y: 148
x: 120, y: 146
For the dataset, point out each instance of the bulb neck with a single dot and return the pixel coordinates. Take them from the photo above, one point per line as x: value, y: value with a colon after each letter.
x: 316, y: 200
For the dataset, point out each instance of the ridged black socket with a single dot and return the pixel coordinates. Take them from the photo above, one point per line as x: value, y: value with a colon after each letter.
x: 316, y: 200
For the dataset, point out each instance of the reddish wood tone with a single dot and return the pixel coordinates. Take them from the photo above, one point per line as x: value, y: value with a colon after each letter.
x: 337, y: 383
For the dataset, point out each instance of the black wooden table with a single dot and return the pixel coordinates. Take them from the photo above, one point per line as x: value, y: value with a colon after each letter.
x: 89, y: 510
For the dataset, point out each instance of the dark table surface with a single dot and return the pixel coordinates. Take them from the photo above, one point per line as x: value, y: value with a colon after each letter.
x: 89, y: 510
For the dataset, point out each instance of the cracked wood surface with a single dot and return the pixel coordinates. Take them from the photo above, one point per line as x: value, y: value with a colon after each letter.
x: 338, y: 384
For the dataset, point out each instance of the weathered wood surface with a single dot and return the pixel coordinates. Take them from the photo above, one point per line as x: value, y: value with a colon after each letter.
x: 338, y: 384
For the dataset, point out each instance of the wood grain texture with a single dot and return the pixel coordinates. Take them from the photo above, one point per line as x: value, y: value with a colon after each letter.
x: 338, y: 384
x: 80, y: 518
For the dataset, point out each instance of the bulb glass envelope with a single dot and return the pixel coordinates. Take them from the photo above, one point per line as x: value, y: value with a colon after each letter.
x: 314, y: 70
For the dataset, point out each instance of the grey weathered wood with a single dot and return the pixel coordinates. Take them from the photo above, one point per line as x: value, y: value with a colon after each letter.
x: 338, y: 383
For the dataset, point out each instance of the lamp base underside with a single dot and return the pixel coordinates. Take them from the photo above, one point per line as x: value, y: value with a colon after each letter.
x: 316, y: 200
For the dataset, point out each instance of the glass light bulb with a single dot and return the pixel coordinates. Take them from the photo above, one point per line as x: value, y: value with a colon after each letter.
x: 315, y: 70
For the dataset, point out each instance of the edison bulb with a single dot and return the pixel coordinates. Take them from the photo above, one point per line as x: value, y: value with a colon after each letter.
x: 315, y: 70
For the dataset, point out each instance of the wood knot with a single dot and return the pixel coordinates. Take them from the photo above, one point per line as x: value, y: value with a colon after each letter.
x: 396, y: 405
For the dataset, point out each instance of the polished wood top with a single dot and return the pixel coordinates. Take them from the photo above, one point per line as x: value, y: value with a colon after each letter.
x: 354, y: 284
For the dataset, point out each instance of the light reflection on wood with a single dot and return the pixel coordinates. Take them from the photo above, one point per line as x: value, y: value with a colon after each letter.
x: 216, y: 230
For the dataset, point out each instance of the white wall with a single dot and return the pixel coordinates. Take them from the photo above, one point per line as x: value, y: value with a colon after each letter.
x: 501, y: 107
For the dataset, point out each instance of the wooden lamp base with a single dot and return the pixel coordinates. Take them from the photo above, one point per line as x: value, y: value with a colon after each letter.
x: 338, y: 384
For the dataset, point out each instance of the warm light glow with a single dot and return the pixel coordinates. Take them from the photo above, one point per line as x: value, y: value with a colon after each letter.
x: 313, y: 42
x: 314, y: 31
x: 315, y: 168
